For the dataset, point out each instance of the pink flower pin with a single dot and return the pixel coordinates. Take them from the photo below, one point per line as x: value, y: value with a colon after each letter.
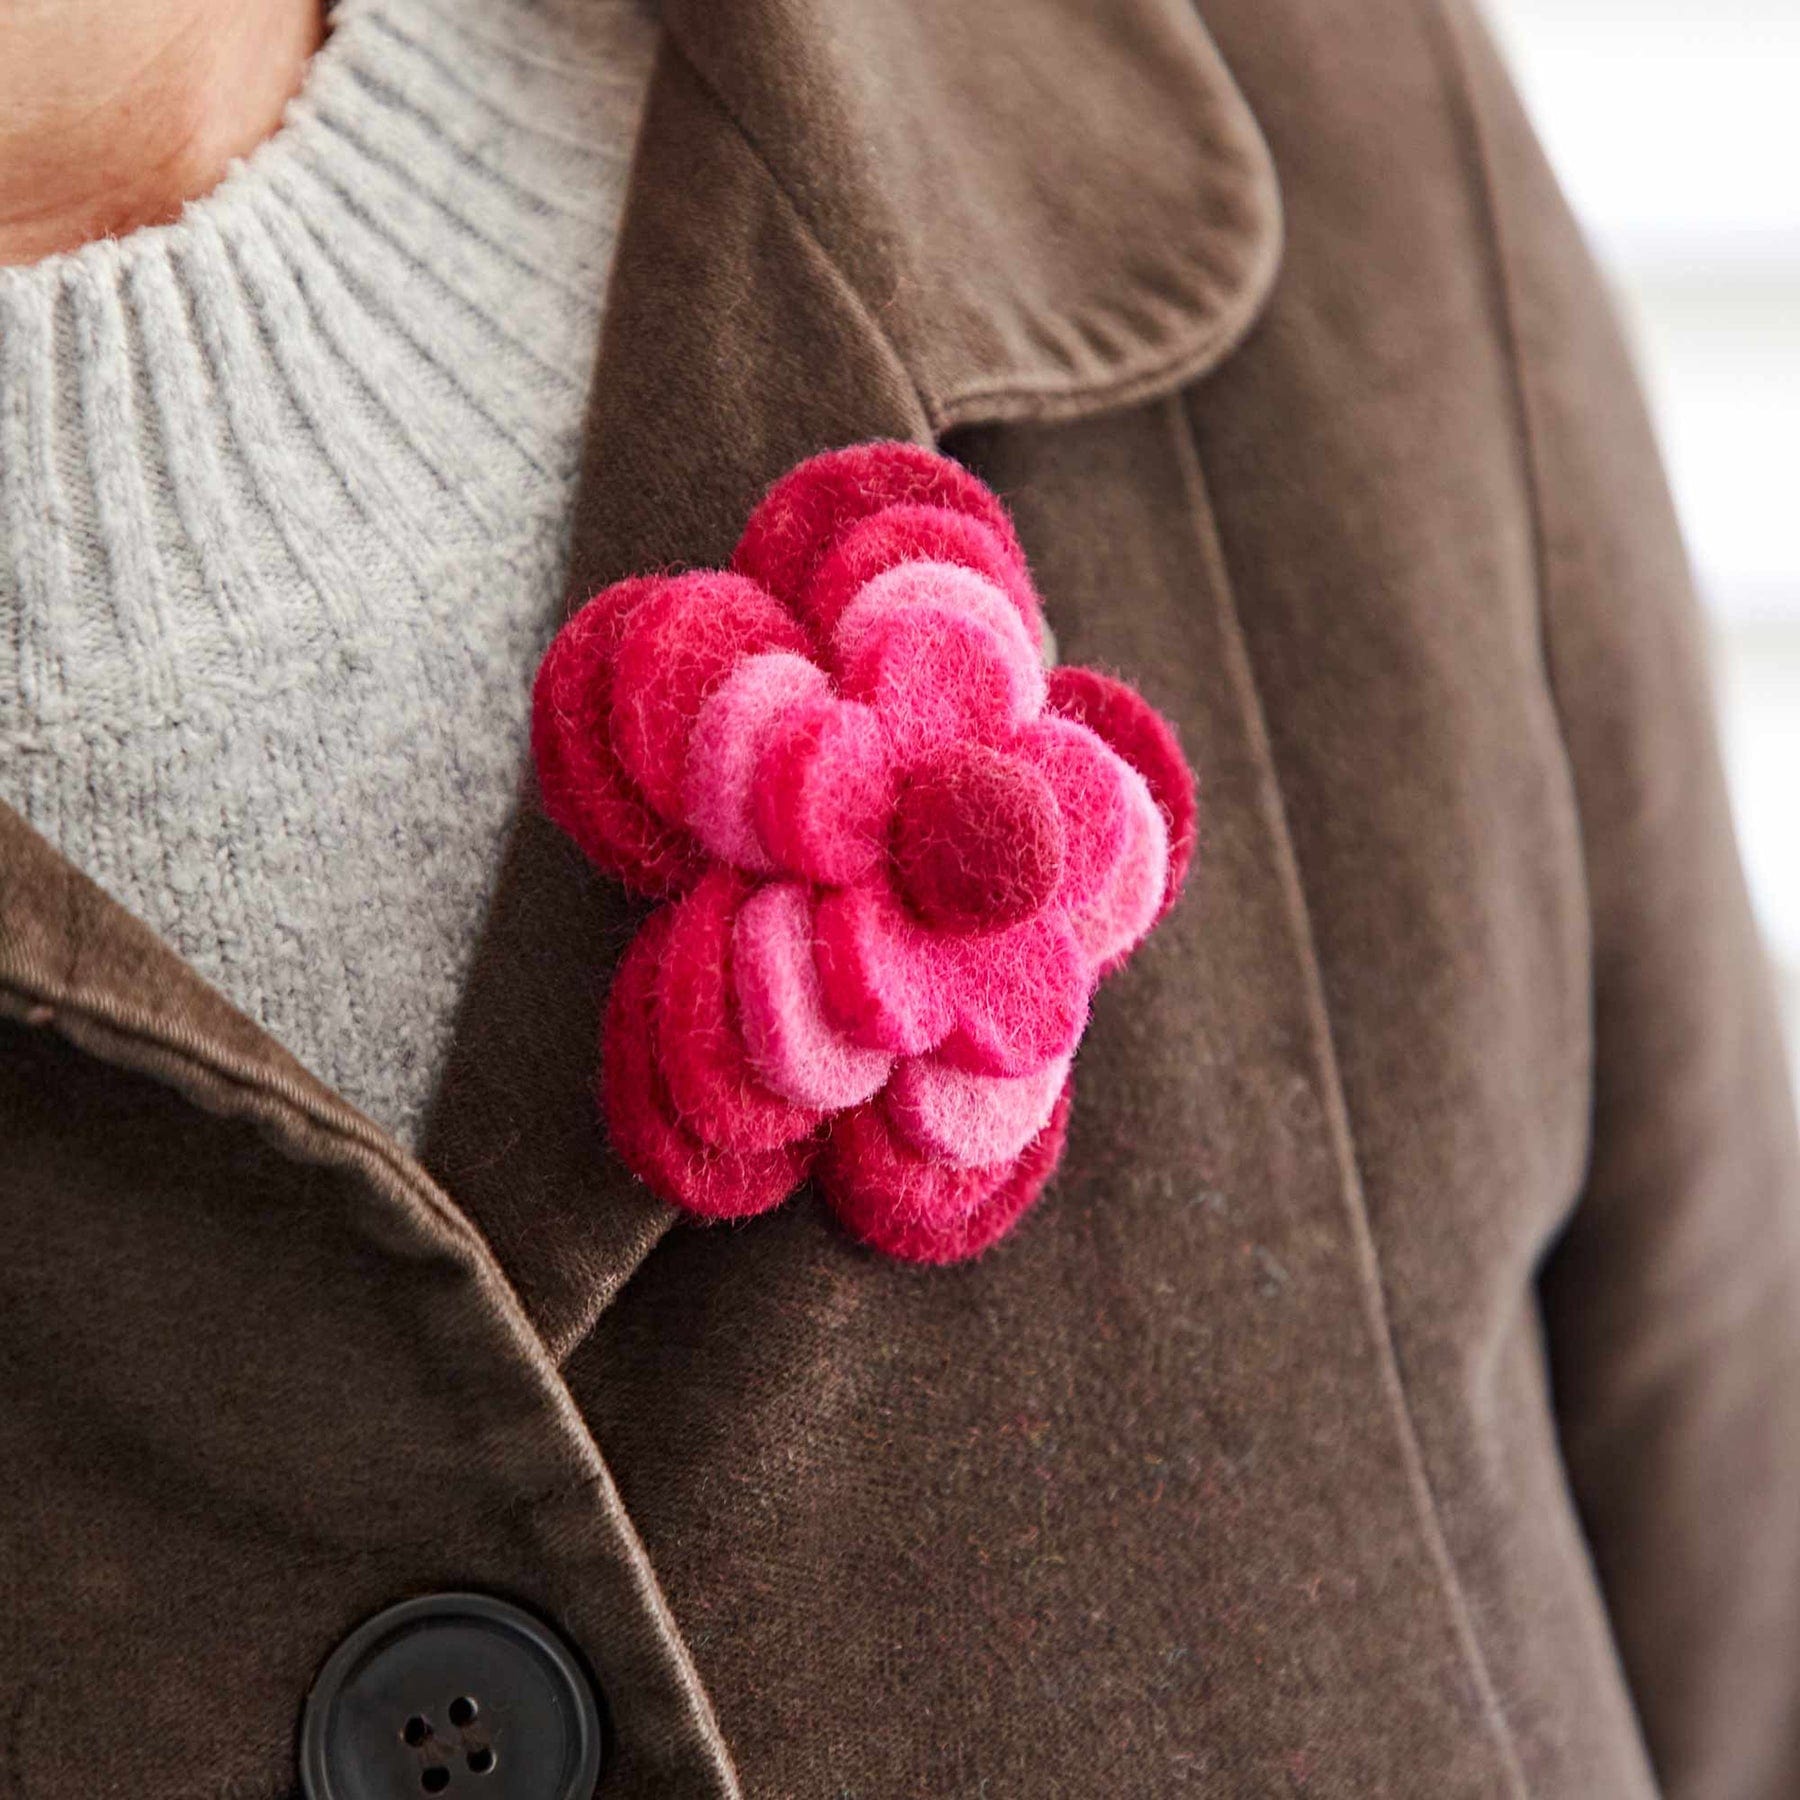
x: 897, y: 854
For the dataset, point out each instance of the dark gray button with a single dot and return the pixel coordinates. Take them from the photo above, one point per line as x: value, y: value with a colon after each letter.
x: 454, y: 1694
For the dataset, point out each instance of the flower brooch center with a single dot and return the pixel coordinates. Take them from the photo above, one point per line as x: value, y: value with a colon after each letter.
x: 897, y: 854
x: 978, y: 839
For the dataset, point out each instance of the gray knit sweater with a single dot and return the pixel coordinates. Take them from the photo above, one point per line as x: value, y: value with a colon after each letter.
x: 284, y: 504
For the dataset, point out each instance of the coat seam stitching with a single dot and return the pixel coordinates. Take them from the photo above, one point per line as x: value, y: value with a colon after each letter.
x: 1340, y: 1128
x: 1445, y: 46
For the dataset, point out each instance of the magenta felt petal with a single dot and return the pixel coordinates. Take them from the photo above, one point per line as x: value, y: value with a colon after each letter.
x: 1147, y: 742
x: 881, y: 972
x: 1020, y: 997
x: 714, y: 1087
x: 1114, y: 920
x: 910, y: 534
x: 811, y: 506
x: 796, y: 1049
x: 1091, y: 785
x: 905, y: 1205
x: 584, y: 786
x: 647, y: 1134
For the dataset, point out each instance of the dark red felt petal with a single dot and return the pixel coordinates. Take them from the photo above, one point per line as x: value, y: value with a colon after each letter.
x: 584, y: 788
x: 640, y: 1117
x: 906, y: 1206
x: 679, y: 644
x: 977, y: 838
x: 700, y: 1050
x: 1123, y: 718
x: 812, y: 505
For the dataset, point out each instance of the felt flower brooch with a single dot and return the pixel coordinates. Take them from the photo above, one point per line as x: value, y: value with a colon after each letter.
x: 897, y: 854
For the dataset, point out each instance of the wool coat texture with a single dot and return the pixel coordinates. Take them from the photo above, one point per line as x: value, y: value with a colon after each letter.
x: 1397, y: 1392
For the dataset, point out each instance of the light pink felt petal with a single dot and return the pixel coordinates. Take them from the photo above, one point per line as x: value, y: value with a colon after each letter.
x: 1020, y: 997
x: 883, y: 975
x: 794, y: 1047
x: 680, y: 643
x: 1092, y: 786
x: 824, y: 791
x: 734, y: 726
x: 970, y: 1120
x: 941, y: 654
x: 1117, y: 918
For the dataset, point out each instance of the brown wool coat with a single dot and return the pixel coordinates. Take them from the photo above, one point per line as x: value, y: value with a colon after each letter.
x: 1397, y: 1393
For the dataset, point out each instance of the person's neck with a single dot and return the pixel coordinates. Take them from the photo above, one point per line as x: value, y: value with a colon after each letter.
x: 115, y: 113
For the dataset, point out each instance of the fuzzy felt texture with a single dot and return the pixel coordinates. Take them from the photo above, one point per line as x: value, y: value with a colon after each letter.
x: 1121, y: 717
x: 791, y: 1040
x: 904, y: 855
x: 701, y: 1051
x: 906, y: 534
x: 825, y: 791
x: 971, y: 1121
x: 806, y: 513
x: 920, y: 1210
x: 703, y: 1178
x: 679, y: 644
x: 728, y: 745
x: 583, y: 786
x: 958, y: 802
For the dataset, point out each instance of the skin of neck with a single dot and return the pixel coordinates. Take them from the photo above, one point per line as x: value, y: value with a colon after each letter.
x: 115, y: 113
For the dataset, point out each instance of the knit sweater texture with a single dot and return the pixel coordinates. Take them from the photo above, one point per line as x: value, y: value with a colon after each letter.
x: 285, y: 494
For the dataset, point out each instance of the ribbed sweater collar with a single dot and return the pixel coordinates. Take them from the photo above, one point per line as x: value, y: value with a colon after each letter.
x: 394, y: 262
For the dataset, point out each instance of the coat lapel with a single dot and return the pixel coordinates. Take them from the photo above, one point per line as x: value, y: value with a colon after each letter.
x: 847, y: 220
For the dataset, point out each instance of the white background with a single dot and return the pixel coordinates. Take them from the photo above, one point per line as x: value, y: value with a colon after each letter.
x: 1675, y: 125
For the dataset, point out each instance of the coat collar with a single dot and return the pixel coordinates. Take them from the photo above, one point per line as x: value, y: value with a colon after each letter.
x: 851, y: 219
x: 847, y: 219
x: 1046, y: 206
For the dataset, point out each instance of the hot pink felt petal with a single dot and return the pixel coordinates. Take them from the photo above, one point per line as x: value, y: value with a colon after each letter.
x: 1112, y: 922
x: 1091, y: 785
x: 584, y: 788
x: 904, y: 534
x: 641, y: 1122
x: 1020, y: 997
x: 971, y: 1121
x: 735, y: 723
x: 679, y: 644
x: 1139, y: 733
x: 806, y: 511
x: 714, y: 1089
x: 824, y: 791
x: 796, y: 1049
x: 940, y: 653
x: 907, y: 1206
x: 881, y: 972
